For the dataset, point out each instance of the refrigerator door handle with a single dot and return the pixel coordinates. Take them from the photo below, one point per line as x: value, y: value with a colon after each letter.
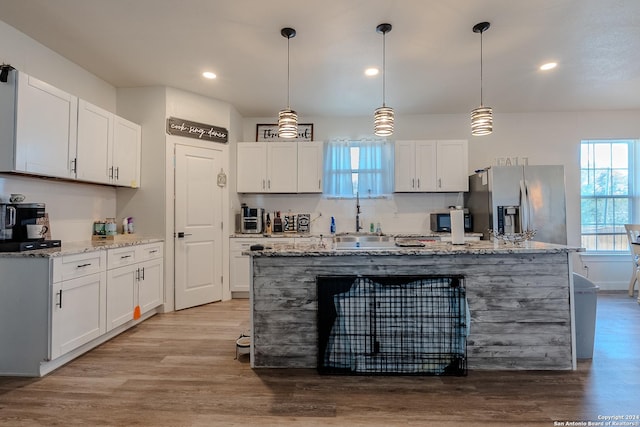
x: 524, y: 206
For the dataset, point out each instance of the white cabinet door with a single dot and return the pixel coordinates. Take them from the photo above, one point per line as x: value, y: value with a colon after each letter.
x: 127, y: 138
x: 405, y: 166
x: 453, y: 165
x: 310, y: 167
x: 121, y: 289
x: 150, y: 285
x: 251, y: 168
x: 431, y: 166
x: 240, y: 268
x: 267, y: 167
x: 95, y: 143
x: 282, y: 167
x: 426, y: 165
x: 46, y: 126
x: 78, y: 312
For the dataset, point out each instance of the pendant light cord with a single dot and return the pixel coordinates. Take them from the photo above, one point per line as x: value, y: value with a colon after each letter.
x: 481, y: 55
x: 288, y: 73
x: 384, y: 72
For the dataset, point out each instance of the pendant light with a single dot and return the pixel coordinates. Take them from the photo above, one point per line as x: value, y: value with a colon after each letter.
x: 287, y: 118
x: 383, y: 116
x: 481, y: 117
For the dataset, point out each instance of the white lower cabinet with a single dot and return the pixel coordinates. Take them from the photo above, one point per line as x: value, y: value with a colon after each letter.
x: 78, y: 312
x: 120, y: 295
x: 134, y: 280
x: 53, y: 309
x: 240, y: 265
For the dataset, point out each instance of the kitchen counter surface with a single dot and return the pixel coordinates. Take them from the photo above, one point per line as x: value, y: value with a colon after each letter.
x: 482, y: 247
x: 70, y: 248
x: 425, y: 235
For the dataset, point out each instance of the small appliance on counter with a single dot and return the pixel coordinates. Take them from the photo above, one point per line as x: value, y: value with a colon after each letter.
x: 441, y: 221
x: 23, y: 227
x: 251, y: 220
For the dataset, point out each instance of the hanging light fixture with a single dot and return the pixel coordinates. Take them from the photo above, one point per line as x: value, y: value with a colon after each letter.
x: 481, y: 117
x: 383, y: 116
x: 287, y: 118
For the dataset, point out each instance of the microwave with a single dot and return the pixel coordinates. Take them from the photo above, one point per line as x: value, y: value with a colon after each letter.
x: 441, y: 222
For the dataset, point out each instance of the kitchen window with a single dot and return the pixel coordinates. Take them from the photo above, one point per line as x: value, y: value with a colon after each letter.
x: 363, y: 167
x: 606, y: 187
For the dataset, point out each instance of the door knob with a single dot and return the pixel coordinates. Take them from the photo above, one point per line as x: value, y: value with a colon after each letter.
x: 181, y: 234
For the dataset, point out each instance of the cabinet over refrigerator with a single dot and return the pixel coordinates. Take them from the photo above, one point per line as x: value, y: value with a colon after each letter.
x: 512, y: 199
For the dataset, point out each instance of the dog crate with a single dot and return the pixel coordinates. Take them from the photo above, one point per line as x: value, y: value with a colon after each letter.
x: 392, y: 325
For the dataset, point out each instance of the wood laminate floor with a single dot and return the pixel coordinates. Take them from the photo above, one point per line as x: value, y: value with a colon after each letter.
x: 178, y: 369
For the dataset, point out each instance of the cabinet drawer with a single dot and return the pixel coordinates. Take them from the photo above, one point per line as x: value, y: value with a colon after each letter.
x: 150, y: 251
x: 121, y: 257
x: 72, y: 266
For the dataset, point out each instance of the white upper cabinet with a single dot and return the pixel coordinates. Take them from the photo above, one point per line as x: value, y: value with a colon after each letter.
x: 251, y: 168
x: 38, y: 127
x: 453, y: 165
x: 46, y: 131
x: 282, y: 167
x: 267, y: 167
x: 310, y: 167
x: 127, y: 139
x: 95, y: 143
x: 108, y: 147
x: 431, y: 166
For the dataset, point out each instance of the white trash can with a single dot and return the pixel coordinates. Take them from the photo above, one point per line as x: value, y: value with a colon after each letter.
x: 585, y: 299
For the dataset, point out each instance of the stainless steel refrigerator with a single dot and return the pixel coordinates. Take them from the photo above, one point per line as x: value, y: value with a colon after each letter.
x: 512, y: 199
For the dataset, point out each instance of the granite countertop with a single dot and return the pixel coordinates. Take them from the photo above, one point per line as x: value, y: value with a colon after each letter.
x: 482, y: 247
x: 71, y: 248
x: 426, y: 234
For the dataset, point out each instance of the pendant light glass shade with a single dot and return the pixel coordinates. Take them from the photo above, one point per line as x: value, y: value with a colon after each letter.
x: 287, y: 124
x: 383, y: 116
x: 383, y: 121
x: 481, y: 121
x: 481, y: 117
x: 287, y: 118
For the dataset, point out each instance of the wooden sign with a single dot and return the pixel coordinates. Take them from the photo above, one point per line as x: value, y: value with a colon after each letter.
x: 269, y: 132
x: 196, y: 130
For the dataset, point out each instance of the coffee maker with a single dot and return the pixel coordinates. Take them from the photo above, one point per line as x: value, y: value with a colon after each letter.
x: 14, y: 235
x: 251, y: 220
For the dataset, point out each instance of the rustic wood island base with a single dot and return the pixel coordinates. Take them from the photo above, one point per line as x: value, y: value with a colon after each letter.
x: 518, y: 298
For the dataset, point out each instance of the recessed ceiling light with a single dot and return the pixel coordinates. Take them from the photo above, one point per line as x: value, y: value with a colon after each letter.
x: 371, y: 72
x: 548, y: 66
x: 209, y: 75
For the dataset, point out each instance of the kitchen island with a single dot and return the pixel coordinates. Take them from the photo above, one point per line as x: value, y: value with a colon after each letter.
x: 518, y: 299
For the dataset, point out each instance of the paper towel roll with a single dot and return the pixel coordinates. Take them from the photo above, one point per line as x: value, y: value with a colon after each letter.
x: 457, y: 226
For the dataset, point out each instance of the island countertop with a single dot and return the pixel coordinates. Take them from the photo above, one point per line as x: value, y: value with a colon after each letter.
x: 482, y: 247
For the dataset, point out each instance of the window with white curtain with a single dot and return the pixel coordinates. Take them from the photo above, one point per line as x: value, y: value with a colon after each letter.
x: 363, y: 167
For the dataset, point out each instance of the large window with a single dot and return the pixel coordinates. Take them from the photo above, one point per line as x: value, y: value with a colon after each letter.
x: 606, y: 169
x: 363, y: 167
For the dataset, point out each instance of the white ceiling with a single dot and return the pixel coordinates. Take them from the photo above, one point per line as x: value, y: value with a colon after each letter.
x: 433, y: 56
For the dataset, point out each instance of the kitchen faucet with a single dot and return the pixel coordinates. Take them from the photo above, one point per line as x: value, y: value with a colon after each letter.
x: 358, y: 226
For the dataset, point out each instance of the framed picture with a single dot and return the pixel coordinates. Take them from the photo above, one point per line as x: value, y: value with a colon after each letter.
x: 269, y: 132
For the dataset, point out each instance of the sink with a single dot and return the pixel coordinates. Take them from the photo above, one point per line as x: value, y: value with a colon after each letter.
x: 365, y: 242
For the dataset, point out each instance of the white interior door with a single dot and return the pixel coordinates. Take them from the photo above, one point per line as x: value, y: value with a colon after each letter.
x: 198, y: 227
